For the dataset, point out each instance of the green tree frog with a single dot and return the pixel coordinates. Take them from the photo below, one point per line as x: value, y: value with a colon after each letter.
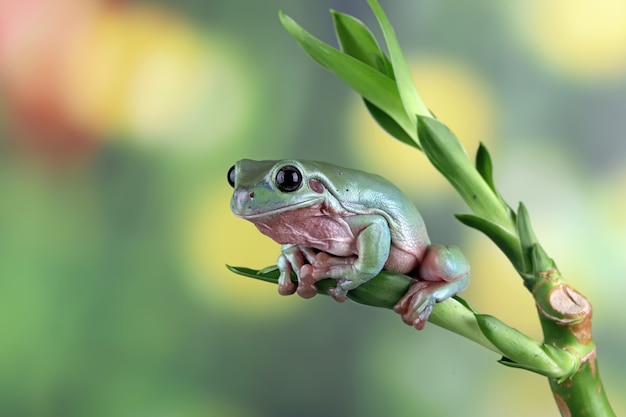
x: 339, y: 223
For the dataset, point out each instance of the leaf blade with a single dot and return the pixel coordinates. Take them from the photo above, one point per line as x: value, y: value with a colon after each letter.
x: 411, y: 99
x: 447, y: 154
x: 503, y: 238
x: 370, y: 83
x: 389, y: 125
x: 357, y: 40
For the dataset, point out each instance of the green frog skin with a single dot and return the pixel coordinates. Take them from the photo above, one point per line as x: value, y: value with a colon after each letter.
x: 339, y: 223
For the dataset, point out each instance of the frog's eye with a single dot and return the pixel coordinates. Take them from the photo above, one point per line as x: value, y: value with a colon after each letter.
x: 288, y: 179
x: 231, y: 176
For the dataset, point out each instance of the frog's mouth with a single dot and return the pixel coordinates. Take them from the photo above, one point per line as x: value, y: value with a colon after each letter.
x: 249, y: 213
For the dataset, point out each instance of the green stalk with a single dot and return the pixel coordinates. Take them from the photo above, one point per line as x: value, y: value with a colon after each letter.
x: 455, y: 315
x: 385, y: 290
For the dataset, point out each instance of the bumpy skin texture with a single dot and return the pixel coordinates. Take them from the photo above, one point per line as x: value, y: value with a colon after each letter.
x: 348, y: 225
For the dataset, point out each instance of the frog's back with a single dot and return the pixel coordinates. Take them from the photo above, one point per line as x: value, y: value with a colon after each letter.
x: 360, y: 192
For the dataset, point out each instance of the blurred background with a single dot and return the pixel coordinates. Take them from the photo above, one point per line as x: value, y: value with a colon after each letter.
x: 119, y: 120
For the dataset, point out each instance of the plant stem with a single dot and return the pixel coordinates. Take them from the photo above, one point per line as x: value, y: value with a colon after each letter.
x: 386, y: 289
x: 567, y: 356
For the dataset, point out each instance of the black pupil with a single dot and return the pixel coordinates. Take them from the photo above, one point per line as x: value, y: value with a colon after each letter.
x: 288, y: 179
x: 231, y: 176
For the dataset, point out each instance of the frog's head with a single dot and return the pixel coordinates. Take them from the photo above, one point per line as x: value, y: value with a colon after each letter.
x: 265, y: 188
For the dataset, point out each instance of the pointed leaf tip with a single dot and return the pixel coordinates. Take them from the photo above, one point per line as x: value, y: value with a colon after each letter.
x: 390, y: 126
x: 521, y: 351
x: 411, y: 99
x: 484, y: 165
x: 374, y: 85
x: 503, y: 238
x: 358, y: 41
x: 527, y: 238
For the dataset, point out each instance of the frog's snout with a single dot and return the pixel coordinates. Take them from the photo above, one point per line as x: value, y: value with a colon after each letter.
x: 240, y: 201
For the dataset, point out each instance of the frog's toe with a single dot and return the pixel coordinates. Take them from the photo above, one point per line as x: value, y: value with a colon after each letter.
x: 418, y: 315
x: 307, y: 290
x: 338, y: 294
x: 320, y: 260
x: 343, y: 286
x: 306, y: 284
x: 287, y: 288
x: 402, y: 307
x: 417, y: 304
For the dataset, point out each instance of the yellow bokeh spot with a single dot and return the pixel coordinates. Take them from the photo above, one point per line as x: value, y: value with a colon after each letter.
x: 215, y: 238
x: 153, y: 77
x: 585, y: 38
x: 613, y: 203
x: 456, y: 96
x: 98, y: 70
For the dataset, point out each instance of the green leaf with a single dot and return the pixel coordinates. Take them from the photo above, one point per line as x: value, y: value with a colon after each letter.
x: 442, y: 147
x: 541, y: 261
x: 503, y: 238
x: 385, y: 290
x: 373, y: 85
x: 389, y: 125
x: 535, y: 260
x: 485, y: 169
x: 484, y: 166
x: 410, y: 97
x: 358, y: 41
x: 269, y: 274
x: 446, y: 154
x: 527, y: 239
x: 521, y: 351
x: 566, y: 361
x: 465, y: 304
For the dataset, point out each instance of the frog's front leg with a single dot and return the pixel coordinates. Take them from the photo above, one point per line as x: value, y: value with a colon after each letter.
x: 443, y: 273
x: 296, y: 259
x: 373, y: 242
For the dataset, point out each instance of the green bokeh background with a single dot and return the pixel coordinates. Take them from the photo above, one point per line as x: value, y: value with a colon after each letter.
x: 101, y: 310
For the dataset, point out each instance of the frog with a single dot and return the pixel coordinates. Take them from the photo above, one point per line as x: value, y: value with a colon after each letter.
x: 347, y: 225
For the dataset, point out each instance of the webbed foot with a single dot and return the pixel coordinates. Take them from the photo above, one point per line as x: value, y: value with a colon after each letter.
x: 444, y: 272
x: 417, y: 304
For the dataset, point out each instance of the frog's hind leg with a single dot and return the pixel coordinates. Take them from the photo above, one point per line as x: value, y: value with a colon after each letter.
x: 443, y: 273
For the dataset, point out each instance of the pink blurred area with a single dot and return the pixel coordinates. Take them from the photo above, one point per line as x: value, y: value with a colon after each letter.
x: 66, y: 68
x: 35, y: 39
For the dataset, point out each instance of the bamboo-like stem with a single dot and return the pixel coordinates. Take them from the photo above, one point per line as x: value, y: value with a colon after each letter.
x: 454, y: 314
